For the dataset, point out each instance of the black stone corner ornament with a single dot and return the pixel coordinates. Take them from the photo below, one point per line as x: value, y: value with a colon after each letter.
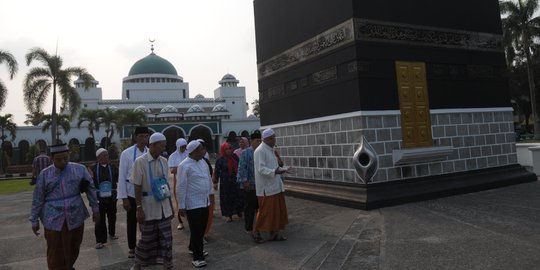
x: 365, y: 161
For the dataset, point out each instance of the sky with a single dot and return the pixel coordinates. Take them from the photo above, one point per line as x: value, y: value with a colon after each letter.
x: 204, y: 40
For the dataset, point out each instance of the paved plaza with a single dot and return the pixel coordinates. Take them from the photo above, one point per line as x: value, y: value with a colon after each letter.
x: 494, y: 229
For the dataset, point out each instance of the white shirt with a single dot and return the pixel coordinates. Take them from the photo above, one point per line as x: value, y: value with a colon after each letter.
x: 153, y: 209
x: 194, y: 184
x: 176, y: 158
x: 267, y: 182
x: 127, y: 158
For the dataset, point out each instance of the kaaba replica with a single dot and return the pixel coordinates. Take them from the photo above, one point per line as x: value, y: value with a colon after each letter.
x: 381, y: 102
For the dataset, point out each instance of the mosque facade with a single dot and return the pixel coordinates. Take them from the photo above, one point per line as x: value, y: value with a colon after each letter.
x: 153, y: 86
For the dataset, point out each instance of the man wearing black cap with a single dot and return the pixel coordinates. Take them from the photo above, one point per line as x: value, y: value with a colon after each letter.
x: 57, y: 202
x: 126, y: 191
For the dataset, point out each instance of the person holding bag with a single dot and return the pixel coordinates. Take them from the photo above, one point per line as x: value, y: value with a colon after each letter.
x: 105, y: 180
x: 154, y: 206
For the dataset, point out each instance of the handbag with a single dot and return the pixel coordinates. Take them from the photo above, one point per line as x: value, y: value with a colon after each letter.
x: 160, y: 186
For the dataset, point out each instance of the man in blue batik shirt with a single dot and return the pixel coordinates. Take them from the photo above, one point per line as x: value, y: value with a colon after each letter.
x: 246, y: 178
x: 58, y: 203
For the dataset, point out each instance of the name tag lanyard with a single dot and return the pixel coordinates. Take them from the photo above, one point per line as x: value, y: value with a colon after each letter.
x: 110, y: 172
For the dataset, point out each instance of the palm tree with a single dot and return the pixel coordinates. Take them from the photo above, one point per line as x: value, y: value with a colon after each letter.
x: 523, y: 28
x: 92, y: 117
x: 6, y: 124
x: 34, y: 118
x: 63, y: 120
x: 40, y: 80
x: 108, y: 118
x: 129, y: 117
x: 12, y: 68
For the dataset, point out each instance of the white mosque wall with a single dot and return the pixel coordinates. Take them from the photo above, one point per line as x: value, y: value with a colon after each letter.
x: 235, y: 100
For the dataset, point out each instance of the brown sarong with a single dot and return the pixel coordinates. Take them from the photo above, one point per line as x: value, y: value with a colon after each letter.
x: 63, y: 247
x: 210, y: 218
x: 272, y: 215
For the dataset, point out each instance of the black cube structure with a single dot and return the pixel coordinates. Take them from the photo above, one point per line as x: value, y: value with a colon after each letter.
x: 421, y: 82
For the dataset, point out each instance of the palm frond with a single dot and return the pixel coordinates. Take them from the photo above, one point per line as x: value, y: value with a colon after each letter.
x: 12, y: 64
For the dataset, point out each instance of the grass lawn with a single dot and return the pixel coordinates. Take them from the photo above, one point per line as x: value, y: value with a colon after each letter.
x: 12, y: 186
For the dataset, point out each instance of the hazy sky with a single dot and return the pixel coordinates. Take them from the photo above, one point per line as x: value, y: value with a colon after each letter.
x: 204, y: 40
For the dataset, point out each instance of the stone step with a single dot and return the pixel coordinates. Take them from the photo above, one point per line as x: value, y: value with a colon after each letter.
x: 358, y: 247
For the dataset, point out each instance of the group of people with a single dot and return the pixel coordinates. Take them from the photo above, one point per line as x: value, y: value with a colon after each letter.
x: 249, y: 179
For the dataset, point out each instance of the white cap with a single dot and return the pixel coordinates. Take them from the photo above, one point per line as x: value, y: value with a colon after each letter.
x: 100, y: 151
x: 267, y: 133
x: 192, y: 146
x: 180, y: 142
x: 156, y: 137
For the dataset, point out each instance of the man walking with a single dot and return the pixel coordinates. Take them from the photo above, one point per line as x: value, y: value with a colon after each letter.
x: 154, y: 206
x: 126, y: 191
x: 246, y: 177
x: 57, y: 202
x: 105, y: 180
x: 174, y: 160
x: 272, y: 216
x: 40, y: 162
x: 194, y: 190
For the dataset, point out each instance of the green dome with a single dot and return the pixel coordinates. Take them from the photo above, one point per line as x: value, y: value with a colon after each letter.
x: 152, y: 64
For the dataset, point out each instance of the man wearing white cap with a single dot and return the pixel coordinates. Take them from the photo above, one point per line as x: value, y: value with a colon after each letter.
x: 272, y: 216
x: 174, y: 160
x: 194, y: 190
x: 126, y: 191
x: 154, y: 206
x: 105, y: 177
x: 57, y: 202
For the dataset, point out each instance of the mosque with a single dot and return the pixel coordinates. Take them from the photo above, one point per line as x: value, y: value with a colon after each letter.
x: 154, y: 87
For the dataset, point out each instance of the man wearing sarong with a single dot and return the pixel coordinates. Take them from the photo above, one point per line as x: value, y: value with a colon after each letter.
x: 154, y: 206
x: 272, y: 216
x: 246, y: 178
x: 195, y: 194
x: 58, y: 203
x: 126, y: 191
x: 174, y: 160
x: 105, y: 177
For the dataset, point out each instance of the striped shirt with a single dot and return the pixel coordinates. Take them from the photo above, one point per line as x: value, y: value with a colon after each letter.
x: 194, y: 184
x: 41, y: 162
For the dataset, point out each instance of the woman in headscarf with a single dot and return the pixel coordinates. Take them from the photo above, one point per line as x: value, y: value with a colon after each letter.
x: 225, y: 172
x: 243, y: 144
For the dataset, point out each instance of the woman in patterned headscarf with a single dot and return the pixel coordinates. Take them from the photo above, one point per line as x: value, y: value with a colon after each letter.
x: 243, y: 145
x: 225, y: 171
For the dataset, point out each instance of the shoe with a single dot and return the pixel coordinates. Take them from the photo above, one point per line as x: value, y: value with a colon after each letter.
x: 204, y: 253
x: 180, y: 227
x: 131, y: 254
x: 99, y: 246
x: 228, y: 219
x: 113, y: 237
x: 199, y: 263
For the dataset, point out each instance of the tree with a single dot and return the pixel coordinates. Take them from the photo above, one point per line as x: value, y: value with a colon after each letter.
x: 34, y: 118
x: 63, y: 121
x: 129, y: 117
x: 13, y: 67
x: 256, y: 109
x: 520, y: 28
x: 41, y: 80
x: 108, y: 118
x: 6, y: 124
x: 92, y: 117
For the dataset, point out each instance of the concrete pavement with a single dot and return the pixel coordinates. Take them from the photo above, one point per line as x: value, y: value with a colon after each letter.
x: 494, y: 229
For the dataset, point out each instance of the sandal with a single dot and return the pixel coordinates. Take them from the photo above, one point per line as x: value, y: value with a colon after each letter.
x: 258, y: 239
x: 131, y: 254
x: 279, y: 237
